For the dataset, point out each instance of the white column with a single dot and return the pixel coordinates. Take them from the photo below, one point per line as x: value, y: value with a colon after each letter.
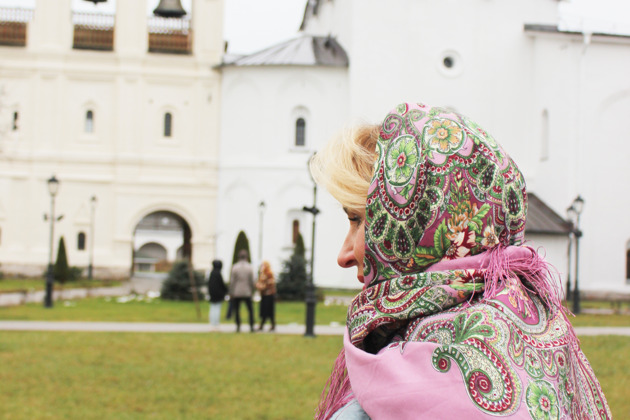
x: 131, y: 37
x: 207, y: 26
x: 51, y: 28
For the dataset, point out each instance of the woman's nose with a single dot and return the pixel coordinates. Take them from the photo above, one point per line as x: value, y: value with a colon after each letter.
x: 346, y: 258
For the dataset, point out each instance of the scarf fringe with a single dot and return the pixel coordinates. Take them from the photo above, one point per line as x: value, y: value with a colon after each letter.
x: 536, y: 274
x: 337, y: 391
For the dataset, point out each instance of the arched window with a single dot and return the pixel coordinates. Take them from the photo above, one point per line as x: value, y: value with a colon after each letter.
x: 89, y: 121
x: 16, y: 118
x: 296, y: 230
x: 300, y: 131
x: 81, y: 241
x: 628, y: 265
x: 168, y: 124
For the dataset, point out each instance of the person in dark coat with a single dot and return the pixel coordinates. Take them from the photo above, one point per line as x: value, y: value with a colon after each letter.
x: 217, y: 291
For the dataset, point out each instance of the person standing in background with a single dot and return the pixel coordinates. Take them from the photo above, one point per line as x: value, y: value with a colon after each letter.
x: 266, y: 285
x: 242, y: 288
x: 217, y: 291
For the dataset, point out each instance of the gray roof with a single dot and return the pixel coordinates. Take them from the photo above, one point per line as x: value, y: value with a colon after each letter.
x: 306, y: 50
x: 541, y: 219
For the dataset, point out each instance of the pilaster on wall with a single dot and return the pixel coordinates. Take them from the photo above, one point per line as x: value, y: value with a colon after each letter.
x: 131, y: 35
x: 207, y: 26
x: 51, y: 27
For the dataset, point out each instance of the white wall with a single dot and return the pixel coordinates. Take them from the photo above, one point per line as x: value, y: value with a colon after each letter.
x: 505, y: 79
x: 260, y: 163
x: 126, y: 162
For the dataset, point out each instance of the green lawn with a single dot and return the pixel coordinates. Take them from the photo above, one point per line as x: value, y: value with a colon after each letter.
x: 50, y: 375
x: 608, y: 356
x: 53, y: 375
x: 21, y: 285
x: 157, y: 310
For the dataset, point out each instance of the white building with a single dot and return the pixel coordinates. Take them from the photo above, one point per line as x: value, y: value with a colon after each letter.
x: 122, y: 107
x: 552, y: 95
x: 279, y: 106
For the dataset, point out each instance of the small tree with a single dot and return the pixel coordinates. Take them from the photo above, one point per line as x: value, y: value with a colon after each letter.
x: 61, y: 271
x: 177, y: 284
x: 299, y: 246
x: 241, y: 243
x: 292, y: 281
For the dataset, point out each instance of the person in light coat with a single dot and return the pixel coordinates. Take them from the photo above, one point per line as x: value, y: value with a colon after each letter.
x: 242, y: 288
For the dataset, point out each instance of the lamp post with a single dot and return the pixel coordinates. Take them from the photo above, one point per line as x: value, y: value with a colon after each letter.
x: 569, y: 258
x: 91, y: 256
x: 310, y: 287
x: 574, y: 213
x: 261, y: 214
x: 53, y: 188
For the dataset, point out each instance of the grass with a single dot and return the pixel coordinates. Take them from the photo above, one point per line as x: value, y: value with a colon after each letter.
x: 48, y: 375
x: 162, y: 376
x: 9, y: 285
x: 608, y: 356
x: 157, y: 310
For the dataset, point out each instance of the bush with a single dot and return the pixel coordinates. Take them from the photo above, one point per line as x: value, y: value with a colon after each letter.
x: 177, y: 284
x: 292, y: 281
x: 61, y: 271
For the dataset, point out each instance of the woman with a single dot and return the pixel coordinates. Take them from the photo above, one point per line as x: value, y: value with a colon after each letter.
x: 266, y: 285
x: 217, y: 291
x: 456, y: 316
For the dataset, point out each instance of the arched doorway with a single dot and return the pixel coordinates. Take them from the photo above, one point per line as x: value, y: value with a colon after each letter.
x: 160, y: 239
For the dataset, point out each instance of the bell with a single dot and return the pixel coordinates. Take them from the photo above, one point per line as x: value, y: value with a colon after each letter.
x: 96, y: 1
x: 169, y: 8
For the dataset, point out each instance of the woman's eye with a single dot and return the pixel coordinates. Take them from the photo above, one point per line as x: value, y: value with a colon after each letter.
x: 354, y: 219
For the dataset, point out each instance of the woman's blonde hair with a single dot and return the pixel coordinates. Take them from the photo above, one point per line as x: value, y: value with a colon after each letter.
x: 345, y: 166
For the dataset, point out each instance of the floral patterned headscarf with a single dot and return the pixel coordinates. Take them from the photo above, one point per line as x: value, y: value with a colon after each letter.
x: 442, y: 189
x: 446, y: 289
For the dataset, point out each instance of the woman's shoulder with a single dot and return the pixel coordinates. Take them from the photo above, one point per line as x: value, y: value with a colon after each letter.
x: 350, y: 411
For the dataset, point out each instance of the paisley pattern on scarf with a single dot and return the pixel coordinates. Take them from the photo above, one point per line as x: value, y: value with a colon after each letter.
x: 442, y: 189
x: 444, y: 192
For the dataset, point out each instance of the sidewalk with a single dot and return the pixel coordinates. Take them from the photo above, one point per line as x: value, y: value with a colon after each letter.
x: 163, y: 327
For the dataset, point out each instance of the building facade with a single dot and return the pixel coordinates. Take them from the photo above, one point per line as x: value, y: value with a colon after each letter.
x: 550, y: 93
x: 122, y: 107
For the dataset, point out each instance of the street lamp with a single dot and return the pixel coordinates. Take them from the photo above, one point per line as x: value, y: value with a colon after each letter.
x: 310, y: 287
x: 569, y: 254
x: 91, y: 256
x: 574, y: 214
x: 53, y: 189
x: 261, y: 213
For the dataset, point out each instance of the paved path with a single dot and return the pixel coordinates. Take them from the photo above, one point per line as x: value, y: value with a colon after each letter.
x: 164, y: 327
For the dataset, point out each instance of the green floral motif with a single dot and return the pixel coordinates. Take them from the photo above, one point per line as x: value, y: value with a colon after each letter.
x: 542, y: 401
x: 401, y: 159
x: 533, y: 366
x: 444, y: 135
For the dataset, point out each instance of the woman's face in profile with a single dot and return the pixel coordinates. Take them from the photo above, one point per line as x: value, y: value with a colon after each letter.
x: 353, y: 248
